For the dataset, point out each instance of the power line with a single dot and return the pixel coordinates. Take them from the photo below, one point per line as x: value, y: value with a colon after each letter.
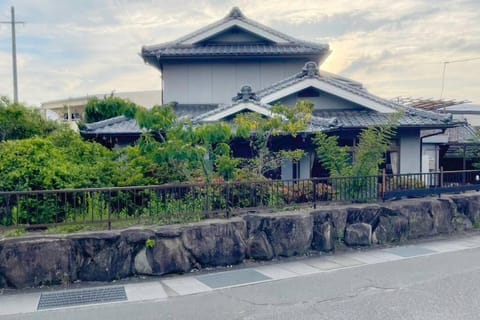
x: 12, y: 22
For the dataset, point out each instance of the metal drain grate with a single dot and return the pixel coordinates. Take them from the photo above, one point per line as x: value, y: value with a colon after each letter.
x: 69, y: 298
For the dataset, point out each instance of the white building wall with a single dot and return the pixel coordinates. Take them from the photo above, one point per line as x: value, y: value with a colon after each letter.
x: 217, y: 82
x: 430, y: 155
x: 304, y: 168
x: 287, y: 170
x: 410, y: 151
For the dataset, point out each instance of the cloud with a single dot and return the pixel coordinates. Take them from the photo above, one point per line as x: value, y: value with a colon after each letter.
x: 74, y: 48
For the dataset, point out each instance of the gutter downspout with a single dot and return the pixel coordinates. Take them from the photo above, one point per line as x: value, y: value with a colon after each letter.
x: 161, y: 85
x: 421, y: 144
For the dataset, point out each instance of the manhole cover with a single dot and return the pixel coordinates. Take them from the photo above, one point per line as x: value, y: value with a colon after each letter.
x: 68, y: 298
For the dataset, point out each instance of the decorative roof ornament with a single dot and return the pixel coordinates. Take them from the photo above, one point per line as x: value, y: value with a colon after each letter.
x: 310, y: 69
x: 235, y: 13
x: 246, y: 94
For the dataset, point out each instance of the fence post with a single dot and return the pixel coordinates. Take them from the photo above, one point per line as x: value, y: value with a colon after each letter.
x: 207, y: 195
x: 18, y: 209
x: 441, y: 176
x: 314, y: 194
x: 109, y: 208
x: 227, y: 198
x: 384, y: 183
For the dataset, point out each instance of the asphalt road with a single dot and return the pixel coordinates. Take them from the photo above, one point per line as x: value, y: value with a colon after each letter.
x: 441, y: 286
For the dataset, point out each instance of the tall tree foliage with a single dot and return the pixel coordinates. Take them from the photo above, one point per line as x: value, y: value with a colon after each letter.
x: 188, y: 151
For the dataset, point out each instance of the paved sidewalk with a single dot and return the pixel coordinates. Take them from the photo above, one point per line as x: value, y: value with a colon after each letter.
x: 162, y: 290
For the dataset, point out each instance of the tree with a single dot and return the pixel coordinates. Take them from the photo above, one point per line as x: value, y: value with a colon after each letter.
x: 158, y: 119
x: 109, y: 107
x: 185, y: 148
x: 20, y: 122
x: 369, y: 156
x: 369, y: 152
x: 259, y: 129
x: 175, y: 152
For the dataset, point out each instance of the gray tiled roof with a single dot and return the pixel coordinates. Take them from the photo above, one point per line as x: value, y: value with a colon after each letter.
x: 120, y: 124
x: 412, y: 115
x: 321, y: 121
x: 235, y: 49
x: 202, y: 116
x: 176, y: 48
x: 362, y: 119
x: 192, y: 110
x: 462, y: 139
x: 223, y: 107
x: 462, y: 134
x: 321, y: 76
x: 318, y: 124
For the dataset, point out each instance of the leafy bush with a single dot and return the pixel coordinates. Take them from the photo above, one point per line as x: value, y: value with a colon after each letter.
x: 109, y: 107
x: 62, y: 160
x: 20, y: 122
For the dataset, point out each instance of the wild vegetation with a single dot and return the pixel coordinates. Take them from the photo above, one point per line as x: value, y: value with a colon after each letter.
x: 36, y: 154
x: 19, y: 122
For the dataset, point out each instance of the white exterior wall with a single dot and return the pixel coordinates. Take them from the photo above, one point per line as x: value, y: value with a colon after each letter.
x: 287, y: 170
x: 431, y: 152
x: 410, y: 151
x: 218, y: 82
x: 430, y: 156
x: 304, y: 168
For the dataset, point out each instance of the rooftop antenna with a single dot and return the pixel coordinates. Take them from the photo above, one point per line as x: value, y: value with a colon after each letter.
x: 12, y: 22
x: 445, y: 70
x: 443, y: 78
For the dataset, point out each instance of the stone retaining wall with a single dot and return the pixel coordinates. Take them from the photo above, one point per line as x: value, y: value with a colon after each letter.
x: 106, y: 256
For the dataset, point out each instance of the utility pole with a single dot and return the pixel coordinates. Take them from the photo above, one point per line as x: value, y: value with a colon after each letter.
x: 12, y: 22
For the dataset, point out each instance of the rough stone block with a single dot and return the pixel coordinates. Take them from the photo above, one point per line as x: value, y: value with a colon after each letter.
x: 324, y: 237
x: 216, y: 244
x: 358, y: 234
x: 259, y: 248
x: 34, y: 262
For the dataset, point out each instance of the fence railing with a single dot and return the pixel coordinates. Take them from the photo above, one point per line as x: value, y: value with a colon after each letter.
x: 176, y: 203
x: 432, y: 183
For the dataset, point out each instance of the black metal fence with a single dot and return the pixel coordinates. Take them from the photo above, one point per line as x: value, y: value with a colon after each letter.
x: 176, y: 203
x: 433, y: 183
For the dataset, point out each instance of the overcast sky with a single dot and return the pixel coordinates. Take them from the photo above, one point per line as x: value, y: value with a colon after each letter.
x: 71, y: 48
